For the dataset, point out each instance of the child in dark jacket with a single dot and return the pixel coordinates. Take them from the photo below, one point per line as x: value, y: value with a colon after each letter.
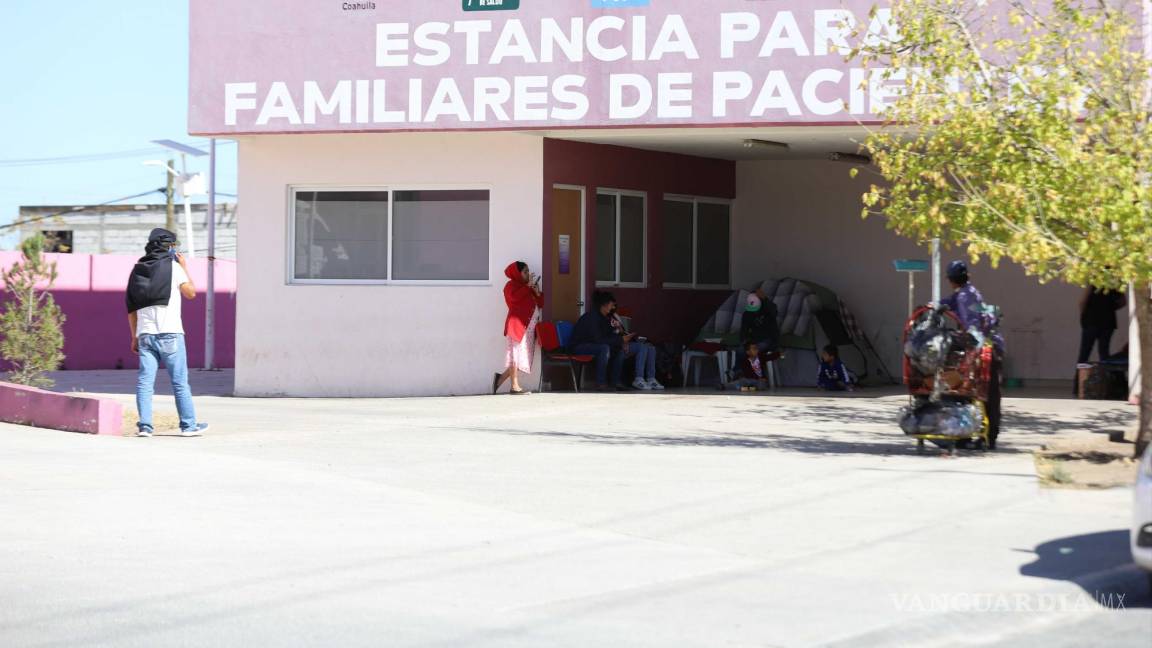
x: 752, y: 369
x: 833, y: 375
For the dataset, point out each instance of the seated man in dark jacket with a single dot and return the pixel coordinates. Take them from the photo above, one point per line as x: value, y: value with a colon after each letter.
x: 593, y: 335
x: 759, y: 324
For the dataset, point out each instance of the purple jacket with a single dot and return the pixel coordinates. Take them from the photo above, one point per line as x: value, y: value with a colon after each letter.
x: 966, y: 302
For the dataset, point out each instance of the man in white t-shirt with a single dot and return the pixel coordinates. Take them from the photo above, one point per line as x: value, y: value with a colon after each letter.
x: 158, y: 281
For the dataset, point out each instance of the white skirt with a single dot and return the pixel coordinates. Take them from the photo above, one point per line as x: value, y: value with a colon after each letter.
x: 520, y: 354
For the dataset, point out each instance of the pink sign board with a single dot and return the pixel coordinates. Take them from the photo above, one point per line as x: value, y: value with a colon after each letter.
x: 287, y: 66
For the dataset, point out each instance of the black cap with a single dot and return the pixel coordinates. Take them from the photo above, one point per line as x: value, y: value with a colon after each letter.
x: 161, y: 235
x: 958, y: 271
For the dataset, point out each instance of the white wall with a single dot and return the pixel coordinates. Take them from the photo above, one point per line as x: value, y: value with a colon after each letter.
x: 802, y: 219
x: 297, y: 340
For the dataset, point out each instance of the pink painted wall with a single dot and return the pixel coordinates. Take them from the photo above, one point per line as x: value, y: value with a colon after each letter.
x: 90, y: 291
x: 663, y: 314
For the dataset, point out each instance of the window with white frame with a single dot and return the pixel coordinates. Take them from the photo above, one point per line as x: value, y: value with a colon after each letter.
x: 398, y: 235
x: 620, y: 238
x: 697, y: 242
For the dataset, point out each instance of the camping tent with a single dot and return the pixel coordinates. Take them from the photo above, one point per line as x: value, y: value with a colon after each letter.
x: 811, y: 316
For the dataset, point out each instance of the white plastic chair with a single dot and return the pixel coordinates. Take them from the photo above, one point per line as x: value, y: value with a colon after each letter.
x: 724, y: 362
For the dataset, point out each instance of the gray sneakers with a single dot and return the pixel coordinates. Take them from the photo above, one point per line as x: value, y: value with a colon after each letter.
x: 190, y: 432
x: 194, y: 432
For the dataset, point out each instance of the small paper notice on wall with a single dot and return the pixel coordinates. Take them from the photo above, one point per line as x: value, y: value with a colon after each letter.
x: 565, y: 254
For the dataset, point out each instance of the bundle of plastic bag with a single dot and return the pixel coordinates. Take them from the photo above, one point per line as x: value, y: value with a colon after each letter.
x: 927, y: 346
x: 945, y: 419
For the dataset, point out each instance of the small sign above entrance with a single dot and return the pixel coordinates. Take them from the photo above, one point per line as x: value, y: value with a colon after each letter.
x: 491, y: 5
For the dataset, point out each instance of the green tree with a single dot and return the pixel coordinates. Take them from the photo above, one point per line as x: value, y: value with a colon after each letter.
x: 31, y: 323
x: 1022, y: 131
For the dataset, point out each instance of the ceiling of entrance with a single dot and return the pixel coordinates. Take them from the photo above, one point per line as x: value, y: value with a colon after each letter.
x: 805, y: 142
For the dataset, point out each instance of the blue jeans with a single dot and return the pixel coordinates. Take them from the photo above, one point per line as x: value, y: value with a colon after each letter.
x: 167, y: 348
x: 644, y: 354
x: 601, y: 352
x: 645, y: 360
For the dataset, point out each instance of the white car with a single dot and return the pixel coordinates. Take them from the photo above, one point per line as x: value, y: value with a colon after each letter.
x: 1142, y: 515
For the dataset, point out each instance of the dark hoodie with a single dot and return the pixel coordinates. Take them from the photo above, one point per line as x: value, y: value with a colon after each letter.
x: 150, y: 283
x: 761, y: 326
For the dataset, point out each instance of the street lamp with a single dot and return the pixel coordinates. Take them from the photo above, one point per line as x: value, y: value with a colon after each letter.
x: 190, y: 184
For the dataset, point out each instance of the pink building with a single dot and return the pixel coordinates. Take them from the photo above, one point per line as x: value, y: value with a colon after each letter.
x: 90, y: 291
x: 395, y: 157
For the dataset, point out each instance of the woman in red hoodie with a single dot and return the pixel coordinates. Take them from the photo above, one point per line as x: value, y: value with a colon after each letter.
x: 524, y: 299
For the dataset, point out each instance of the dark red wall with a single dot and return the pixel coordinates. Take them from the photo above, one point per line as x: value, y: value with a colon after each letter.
x: 661, y: 314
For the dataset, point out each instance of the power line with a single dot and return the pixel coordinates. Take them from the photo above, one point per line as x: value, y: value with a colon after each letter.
x: 69, y: 159
x: 42, y: 217
x: 88, y: 157
x: 36, y: 219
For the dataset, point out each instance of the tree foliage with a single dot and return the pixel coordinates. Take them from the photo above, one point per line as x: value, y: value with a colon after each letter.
x: 1021, y: 131
x: 1035, y: 140
x: 31, y: 322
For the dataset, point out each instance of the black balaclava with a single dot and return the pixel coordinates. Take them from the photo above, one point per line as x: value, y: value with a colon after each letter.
x: 150, y: 283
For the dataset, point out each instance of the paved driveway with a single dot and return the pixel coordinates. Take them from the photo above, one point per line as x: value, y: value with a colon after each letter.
x: 557, y: 520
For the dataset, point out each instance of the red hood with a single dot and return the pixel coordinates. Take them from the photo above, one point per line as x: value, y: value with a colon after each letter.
x: 512, y: 273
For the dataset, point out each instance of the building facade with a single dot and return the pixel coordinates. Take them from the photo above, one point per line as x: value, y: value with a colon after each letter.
x: 123, y: 229
x: 396, y: 157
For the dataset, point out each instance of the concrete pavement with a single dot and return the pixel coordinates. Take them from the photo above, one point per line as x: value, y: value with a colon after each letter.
x: 557, y: 520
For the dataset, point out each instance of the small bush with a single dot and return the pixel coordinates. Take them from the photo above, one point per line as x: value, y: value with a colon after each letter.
x: 31, y: 324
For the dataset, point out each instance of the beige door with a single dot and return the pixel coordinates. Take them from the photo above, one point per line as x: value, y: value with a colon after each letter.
x: 567, y: 272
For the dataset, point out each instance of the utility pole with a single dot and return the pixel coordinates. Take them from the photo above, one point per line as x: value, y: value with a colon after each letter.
x: 210, y: 296
x: 170, y: 220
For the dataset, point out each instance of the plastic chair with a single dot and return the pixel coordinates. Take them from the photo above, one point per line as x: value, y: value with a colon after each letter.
x: 773, y: 373
x: 724, y: 362
x: 564, y: 330
x: 553, y: 338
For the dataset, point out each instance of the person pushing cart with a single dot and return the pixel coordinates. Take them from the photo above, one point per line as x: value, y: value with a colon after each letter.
x: 952, y: 367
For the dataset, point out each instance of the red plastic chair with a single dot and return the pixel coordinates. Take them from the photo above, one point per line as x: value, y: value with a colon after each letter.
x: 554, y: 353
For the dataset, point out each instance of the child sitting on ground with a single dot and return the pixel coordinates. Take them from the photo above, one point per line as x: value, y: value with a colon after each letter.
x: 833, y: 375
x: 753, y: 368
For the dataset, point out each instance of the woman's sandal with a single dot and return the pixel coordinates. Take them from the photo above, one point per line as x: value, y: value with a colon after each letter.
x: 519, y: 392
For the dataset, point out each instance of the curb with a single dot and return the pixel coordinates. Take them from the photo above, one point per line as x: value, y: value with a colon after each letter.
x: 68, y: 412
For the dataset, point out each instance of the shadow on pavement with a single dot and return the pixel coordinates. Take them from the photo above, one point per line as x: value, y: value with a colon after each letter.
x: 1082, y: 560
x: 1098, y: 422
x: 869, y: 444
